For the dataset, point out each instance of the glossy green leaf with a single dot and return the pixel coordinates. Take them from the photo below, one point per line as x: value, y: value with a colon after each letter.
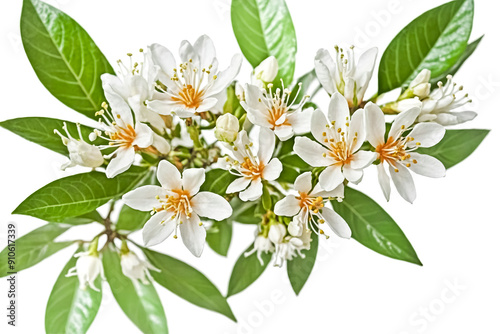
x: 32, y: 248
x: 131, y: 220
x: 454, y: 69
x: 64, y: 57
x: 373, y: 227
x: 78, y: 194
x: 246, y: 270
x: 140, y: 302
x: 300, y: 268
x: 219, y: 236
x: 40, y: 130
x: 435, y: 41
x: 246, y: 212
x: 264, y: 28
x: 217, y: 181
x: 456, y: 146
x: 87, y: 218
x: 188, y: 283
x: 71, y: 310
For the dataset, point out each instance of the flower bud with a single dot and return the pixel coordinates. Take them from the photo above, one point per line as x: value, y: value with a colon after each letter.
x: 161, y: 144
x: 135, y: 268
x: 276, y: 233
x: 266, y: 71
x: 226, y: 128
x: 295, y: 227
x: 88, y: 268
x: 423, y: 90
x: 422, y: 78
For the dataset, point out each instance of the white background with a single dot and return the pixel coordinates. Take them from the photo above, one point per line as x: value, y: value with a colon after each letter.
x: 453, y: 224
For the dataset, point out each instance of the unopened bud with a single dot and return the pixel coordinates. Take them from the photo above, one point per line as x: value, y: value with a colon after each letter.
x: 226, y: 128
x: 267, y: 70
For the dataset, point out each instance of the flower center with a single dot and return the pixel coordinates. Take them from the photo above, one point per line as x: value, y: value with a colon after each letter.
x: 251, y: 170
x: 123, y: 136
x: 275, y: 113
x: 394, y: 151
x: 179, y: 203
x: 189, y: 96
x: 313, y: 204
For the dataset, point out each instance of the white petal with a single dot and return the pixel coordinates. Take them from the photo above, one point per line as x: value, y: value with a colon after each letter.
x: 206, y: 104
x: 331, y: 177
x: 188, y: 54
x: 164, y: 58
x: 144, y: 198
x: 427, y: 134
x: 301, y: 121
x: 318, y: 125
x: 404, y: 183
x: 324, y: 65
x: 338, y: 192
x: 144, y: 135
x: 375, y: 124
x: 303, y: 182
x: 193, y: 235
x: 121, y: 162
x: 272, y: 170
x: 205, y: 49
x: 155, y: 232
x: 288, y: 206
x: 384, y: 181
x: 210, y: 205
x: 119, y: 107
x: 357, y: 129
x: 352, y: 175
x: 284, y: 132
x: 403, y: 121
x: 266, y: 145
x: 337, y: 223
x: 427, y: 165
x: 225, y: 77
x: 365, y: 64
x: 169, y: 176
x: 192, y: 179
x: 363, y: 159
x: 311, y: 152
x: 161, y: 144
x: 338, y: 111
x: 238, y: 185
x: 253, y: 192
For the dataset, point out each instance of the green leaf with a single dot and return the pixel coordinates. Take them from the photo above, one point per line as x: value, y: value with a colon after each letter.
x: 71, y: 310
x: 456, y: 146
x: 300, y: 268
x: 187, y: 283
x: 138, y: 301
x: 373, y: 227
x: 435, y: 41
x: 217, y: 181
x: 78, y: 194
x: 32, y: 248
x: 264, y: 28
x: 131, y: 220
x: 246, y: 270
x: 64, y: 57
x: 454, y: 69
x: 87, y: 218
x: 246, y: 212
x: 306, y: 81
x: 219, y: 236
x: 40, y: 130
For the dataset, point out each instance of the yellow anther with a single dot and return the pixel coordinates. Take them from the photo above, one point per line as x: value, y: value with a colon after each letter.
x: 396, y: 170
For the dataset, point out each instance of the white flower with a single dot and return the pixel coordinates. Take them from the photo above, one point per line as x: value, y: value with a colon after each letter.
x: 88, y: 268
x: 398, y: 151
x: 136, y: 83
x: 81, y: 153
x: 252, y: 167
x: 308, y: 207
x: 276, y: 111
x: 193, y: 86
x: 226, y: 128
x: 135, y: 268
x: 343, y: 75
x: 177, y: 204
x: 442, y: 102
x: 261, y: 245
x: 340, y: 138
x: 288, y: 246
x: 118, y: 126
x: 265, y: 72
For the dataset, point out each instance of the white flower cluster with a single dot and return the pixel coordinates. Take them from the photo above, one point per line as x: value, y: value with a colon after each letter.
x: 159, y: 105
